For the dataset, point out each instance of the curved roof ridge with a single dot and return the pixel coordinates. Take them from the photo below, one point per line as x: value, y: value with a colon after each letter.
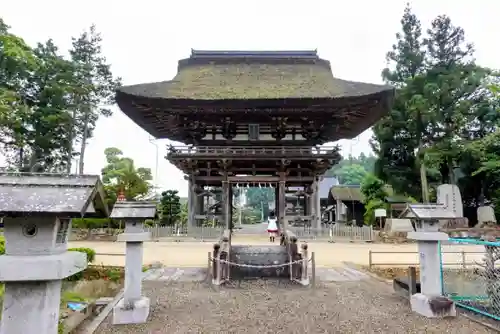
x: 303, y: 54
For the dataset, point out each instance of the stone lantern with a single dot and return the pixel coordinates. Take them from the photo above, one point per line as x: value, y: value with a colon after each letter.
x: 427, y: 218
x: 133, y: 308
x: 37, y: 211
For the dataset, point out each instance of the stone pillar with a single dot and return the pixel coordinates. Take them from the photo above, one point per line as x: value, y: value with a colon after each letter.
x: 191, y: 204
x: 133, y: 308
x: 226, y: 203
x: 430, y: 272
x: 34, y: 264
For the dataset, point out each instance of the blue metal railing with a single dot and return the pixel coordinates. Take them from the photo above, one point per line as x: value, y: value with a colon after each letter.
x: 475, y: 287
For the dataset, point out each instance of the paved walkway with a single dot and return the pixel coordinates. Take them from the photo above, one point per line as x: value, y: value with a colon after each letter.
x: 195, y: 254
x: 337, y: 274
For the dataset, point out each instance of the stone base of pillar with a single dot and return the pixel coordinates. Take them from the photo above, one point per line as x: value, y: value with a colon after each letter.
x: 421, y: 304
x: 131, y: 314
x: 304, y: 281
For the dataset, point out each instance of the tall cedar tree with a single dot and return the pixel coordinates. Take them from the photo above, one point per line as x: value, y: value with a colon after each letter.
x: 398, y: 135
x: 97, y: 88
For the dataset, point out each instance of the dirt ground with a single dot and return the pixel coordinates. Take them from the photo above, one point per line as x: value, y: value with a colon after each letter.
x: 194, y: 254
x: 266, y: 307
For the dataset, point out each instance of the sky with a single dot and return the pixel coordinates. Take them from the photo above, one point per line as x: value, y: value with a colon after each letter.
x: 143, y: 40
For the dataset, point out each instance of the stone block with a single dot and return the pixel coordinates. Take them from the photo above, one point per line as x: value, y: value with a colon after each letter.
x: 421, y: 304
x: 137, y: 313
x: 135, y: 237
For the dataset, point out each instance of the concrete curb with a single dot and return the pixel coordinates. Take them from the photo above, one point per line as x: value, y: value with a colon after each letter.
x: 97, y: 321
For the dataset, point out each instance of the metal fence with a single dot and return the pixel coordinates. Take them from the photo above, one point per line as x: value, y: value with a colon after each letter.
x: 453, y: 259
x: 475, y: 286
x: 184, y: 233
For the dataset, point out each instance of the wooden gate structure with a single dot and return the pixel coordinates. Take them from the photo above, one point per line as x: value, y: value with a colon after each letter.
x: 257, y: 119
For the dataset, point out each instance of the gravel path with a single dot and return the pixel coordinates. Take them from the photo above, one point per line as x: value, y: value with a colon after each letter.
x: 268, y: 307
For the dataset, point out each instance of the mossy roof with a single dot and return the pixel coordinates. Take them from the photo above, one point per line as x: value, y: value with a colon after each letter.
x: 229, y: 75
x: 352, y: 192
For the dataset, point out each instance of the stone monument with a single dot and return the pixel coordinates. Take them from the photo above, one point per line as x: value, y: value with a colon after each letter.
x: 427, y: 218
x: 37, y: 211
x: 133, y: 308
x: 485, y: 215
x: 449, y: 196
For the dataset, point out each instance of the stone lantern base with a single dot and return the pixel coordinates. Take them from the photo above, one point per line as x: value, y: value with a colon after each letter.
x: 422, y: 305
x: 137, y: 313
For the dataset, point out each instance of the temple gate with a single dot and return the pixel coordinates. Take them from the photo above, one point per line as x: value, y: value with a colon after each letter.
x: 254, y: 118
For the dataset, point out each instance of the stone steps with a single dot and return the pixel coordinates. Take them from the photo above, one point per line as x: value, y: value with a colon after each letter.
x: 271, y: 256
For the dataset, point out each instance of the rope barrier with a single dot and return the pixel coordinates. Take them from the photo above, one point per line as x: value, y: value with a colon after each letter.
x: 260, y: 267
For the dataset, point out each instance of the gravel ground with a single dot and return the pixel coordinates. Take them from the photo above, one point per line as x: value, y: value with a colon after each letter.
x: 268, y: 307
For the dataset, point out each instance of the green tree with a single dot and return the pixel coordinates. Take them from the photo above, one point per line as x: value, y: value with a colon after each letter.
x: 97, y: 87
x: 374, y: 194
x: 363, y: 160
x: 351, y: 174
x: 34, y: 86
x: 398, y: 136
x: 461, y: 107
x: 171, y: 209
x: 442, y: 103
x: 259, y: 199
x: 120, y: 174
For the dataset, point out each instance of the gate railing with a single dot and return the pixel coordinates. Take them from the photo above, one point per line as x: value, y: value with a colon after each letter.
x: 476, y: 286
x: 252, y: 151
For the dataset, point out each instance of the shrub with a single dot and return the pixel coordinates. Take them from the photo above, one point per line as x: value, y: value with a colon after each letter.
x: 90, y: 258
x: 149, y: 223
x: 89, y: 251
x: 2, y: 245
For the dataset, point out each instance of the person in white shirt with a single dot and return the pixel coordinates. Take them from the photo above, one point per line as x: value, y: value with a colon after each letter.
x: 272, y: 228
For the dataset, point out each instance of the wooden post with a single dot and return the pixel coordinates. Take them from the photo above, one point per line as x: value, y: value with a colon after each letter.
x: 226, y: 204
x: 317, y: 202
x: 191, y: 204
x: 215, y: 278
x: 209, y: 264
x: 412, y: 280
x: 370, y: 259
x: 282, y: 202
x: 312, y: 204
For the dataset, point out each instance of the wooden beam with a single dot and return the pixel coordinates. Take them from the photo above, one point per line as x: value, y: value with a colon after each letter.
x: 255, y: 179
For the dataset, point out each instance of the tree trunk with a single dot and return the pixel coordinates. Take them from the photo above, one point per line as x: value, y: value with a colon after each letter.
x: 81, y: 163
x: 70, y: 143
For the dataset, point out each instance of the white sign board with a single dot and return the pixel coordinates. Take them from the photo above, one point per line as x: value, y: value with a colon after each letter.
x: 380, y: 213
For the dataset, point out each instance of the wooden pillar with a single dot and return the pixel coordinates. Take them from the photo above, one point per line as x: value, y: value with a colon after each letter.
x: 200, y: 203
x: 306, y: 202
x: 276, y: 201
x: 282, y: 202
x: 312, y: 203
x: 191, y: 203
x: 318, y: 205
x: 226, y: 209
